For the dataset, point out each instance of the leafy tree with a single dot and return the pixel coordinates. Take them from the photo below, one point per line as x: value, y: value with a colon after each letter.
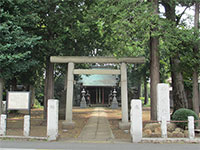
x: 176, y: 36
x: 16, y: 43
x: 65, y: 30
x: 195, y: 72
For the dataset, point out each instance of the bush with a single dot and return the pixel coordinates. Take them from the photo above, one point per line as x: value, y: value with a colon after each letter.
x: 182, y: 115
x: 37, y: 104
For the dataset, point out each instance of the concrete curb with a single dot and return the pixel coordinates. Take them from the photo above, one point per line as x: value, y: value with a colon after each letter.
x: 24, y: 137
x: 171, y: 140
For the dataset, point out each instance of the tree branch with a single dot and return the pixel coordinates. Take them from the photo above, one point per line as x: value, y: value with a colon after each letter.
x: 178, y: 17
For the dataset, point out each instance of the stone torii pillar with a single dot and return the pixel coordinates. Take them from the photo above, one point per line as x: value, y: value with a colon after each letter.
x: 84, y: 59
x: 68, y: 123
x: 124, y: 97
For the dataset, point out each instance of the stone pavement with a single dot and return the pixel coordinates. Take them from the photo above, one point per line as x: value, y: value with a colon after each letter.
x: 97, y: 127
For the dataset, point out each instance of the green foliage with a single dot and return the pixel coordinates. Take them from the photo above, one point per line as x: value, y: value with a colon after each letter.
x: 182, y: 115
x: 146, y: 105
x: 37, y: 104
x: 16, y: 44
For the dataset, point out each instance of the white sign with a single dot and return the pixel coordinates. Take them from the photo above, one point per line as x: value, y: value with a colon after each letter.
x: 18, y: 100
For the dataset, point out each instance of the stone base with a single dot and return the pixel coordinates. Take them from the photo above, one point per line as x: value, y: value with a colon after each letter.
x: 124, y: 126
x: 83, y: 104
x: 68, y: 125
x: 114, y: 105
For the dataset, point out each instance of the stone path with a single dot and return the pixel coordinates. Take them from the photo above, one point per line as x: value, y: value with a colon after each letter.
x: 97, y: 127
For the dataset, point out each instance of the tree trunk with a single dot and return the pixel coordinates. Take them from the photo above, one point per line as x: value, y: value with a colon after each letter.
x: 14, y: 84
x: 195, y: 89
x: 1, y: 94
x: 145, y: 91
x: 154, y: 68
x: 154, y: 76
x: 49, y: 85
x: 32, y: 89
x: 179, y: 96
x: 139, y: 90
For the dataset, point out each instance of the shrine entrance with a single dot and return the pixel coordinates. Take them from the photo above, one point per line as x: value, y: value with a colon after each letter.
x: 99, y: 95
x: 71, y: 60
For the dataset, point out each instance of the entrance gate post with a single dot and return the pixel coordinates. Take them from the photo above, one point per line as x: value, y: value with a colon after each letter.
x: 124, y: 97
x: 68, y: 123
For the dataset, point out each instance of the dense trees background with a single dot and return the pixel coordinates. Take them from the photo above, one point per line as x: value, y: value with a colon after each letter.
x: 33, y: 30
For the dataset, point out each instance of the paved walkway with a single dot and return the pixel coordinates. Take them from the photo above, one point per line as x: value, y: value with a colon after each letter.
x: 97, y: 127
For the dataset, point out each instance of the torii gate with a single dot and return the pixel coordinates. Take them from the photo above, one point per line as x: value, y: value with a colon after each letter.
x: 71, y: 60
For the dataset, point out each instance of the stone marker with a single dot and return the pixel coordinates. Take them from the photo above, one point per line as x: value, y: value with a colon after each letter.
x: 163, y: 102
x: 136, y: 120
x: 26, y: 125
x: 52, y: 119
x: 3, y: 125
x: 191, y: 127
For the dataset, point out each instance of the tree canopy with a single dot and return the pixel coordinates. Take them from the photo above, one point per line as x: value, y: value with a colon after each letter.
x: 33, y: 30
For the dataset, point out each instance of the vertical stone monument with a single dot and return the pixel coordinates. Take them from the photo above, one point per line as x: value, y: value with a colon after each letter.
x: 136, y: 120
x: 163, y: 102
x: 191, y: 132
x: 3, y: 125
x: 27, y: 125
x: 52, y: 119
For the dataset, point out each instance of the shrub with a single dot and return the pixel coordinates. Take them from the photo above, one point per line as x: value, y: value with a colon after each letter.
x: 182, y: 115
x: 37, y: 104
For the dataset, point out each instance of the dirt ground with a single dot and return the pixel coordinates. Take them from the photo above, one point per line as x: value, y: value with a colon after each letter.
x: 39, y: 125
x: 80, y: 117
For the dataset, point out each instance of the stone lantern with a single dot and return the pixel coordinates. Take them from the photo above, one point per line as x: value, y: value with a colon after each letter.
x: 83, y: 101
x: 114, y: 104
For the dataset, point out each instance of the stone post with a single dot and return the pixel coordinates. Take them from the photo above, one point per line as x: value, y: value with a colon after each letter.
x: 68, y: 123
x: 191, y: 133
x: 136, y: 120
x: 124, y: 97
x: 163, y: 102
x: 52, y: 119
x: 27, y: 125
x: 3, y: 125
x: 164, y: 127
x: 114, y: 104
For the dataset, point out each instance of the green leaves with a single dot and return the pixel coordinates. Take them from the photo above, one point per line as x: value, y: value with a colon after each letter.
x: 16, y: 44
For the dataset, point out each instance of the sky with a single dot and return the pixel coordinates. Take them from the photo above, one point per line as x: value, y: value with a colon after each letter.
x: 187, y: 18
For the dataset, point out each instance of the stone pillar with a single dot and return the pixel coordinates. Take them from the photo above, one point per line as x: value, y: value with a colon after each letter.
x: 191, y: 133
x: 124, y: 98
x: 163, y: 102
x: 3, y: 125
x: 164, y: 127
x: 27, y: 125
x: 52, y: 119
x: 68, y: 123
x: 136, y: 120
